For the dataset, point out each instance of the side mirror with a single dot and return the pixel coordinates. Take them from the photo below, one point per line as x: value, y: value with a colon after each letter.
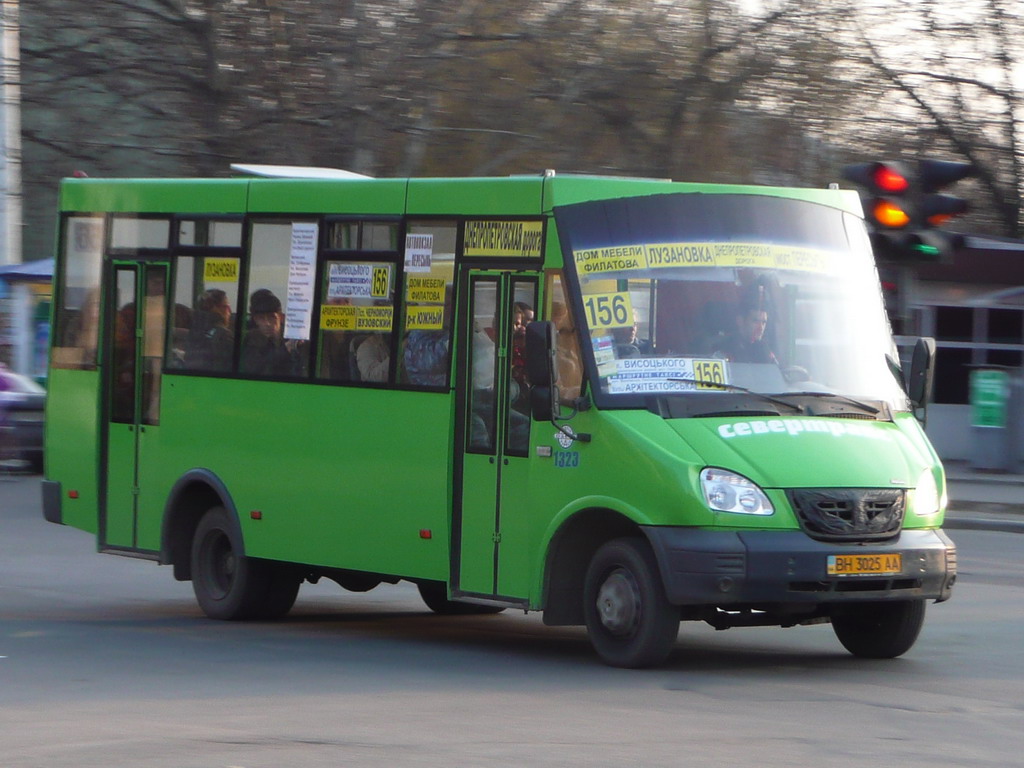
x: 541, y: 404
x: 922, y: 372
x: 541, y: 371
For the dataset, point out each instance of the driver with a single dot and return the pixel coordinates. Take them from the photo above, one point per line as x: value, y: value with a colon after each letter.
x: 746, y: 343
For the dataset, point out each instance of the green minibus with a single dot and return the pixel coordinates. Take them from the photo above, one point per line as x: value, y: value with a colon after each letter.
x: 621, y: 402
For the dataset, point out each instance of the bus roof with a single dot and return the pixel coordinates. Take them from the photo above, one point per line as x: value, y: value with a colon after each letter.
x: 479, y: 196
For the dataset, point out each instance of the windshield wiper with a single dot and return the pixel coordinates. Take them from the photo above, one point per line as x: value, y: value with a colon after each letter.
x: 736, y: 388
x: 856, y: 403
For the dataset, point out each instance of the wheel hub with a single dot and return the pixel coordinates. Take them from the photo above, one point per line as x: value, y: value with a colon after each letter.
x: 618, y: 603
x: 222, y: 564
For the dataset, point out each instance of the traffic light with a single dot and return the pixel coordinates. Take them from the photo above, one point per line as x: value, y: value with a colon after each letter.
x: 904, y: 210
x: 933, y: 176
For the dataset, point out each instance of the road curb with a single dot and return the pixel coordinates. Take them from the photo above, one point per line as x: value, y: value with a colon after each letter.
x: 982, y: 523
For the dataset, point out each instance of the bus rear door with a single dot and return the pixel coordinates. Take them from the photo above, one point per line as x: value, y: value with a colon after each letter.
x: 135, y: 342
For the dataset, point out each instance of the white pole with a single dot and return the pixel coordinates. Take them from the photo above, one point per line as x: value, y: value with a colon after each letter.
x: 10, y: 182
x: 10, y: 138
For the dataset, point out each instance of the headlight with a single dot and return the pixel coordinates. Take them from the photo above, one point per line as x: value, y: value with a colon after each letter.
x: 728, y: 492
x: 926, y: 495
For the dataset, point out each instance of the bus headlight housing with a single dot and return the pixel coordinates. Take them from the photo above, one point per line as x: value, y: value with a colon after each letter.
x: 926, y: 495
x: 726, y: 491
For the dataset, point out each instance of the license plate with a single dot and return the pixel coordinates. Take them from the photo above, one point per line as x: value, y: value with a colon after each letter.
x: 864, y: 565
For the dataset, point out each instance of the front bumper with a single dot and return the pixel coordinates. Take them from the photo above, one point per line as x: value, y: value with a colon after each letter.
x: 702, y: 567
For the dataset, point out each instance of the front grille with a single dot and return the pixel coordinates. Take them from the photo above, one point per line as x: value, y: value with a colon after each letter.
x: 849, y: 514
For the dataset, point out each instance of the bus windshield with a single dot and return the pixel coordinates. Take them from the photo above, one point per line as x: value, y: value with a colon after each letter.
x: 695, y: 295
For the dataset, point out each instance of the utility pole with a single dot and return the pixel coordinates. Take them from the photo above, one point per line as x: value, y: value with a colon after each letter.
x: 10, y: 138
x: 14, y: 328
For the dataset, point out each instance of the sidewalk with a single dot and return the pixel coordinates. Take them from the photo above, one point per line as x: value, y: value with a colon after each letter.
x: 985, y: 500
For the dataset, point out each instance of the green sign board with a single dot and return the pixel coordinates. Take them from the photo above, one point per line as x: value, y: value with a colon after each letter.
x: 990, y: 393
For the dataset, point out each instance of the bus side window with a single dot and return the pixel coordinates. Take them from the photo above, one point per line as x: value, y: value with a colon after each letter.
x: 356, y: 322
x: 202, y: 336
x: 428, y: 297
x: 426, y: 348
x: 275, y: 345
x: 78, y: 311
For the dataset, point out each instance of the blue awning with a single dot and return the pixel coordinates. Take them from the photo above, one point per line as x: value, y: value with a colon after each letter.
x: 39, y: 271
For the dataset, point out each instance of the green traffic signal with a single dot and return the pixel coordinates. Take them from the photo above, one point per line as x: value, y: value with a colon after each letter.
x: 926, y: 252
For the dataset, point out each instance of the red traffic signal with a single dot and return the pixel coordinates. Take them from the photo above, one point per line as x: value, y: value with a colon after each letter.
x: 890, y: 179
x: 879, y: 178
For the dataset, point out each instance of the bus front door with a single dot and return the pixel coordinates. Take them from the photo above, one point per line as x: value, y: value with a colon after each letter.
x: 489, y: 535
x: 135, y: 342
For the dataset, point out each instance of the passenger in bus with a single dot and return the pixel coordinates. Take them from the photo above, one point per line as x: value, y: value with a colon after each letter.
x: 371, y: 352
x: 179, y: 338
x: 211, y: 340
x: 264, y: 351
x: 746, y: 343
x: 427, y: 357
x: 482, y: 416
x: 567, y: 354
x: 123, y: 364
x: 338, y: 348
x: 522, y: 316
x: 628, y: 342
x: 625, y: 342
x: 373, y: 357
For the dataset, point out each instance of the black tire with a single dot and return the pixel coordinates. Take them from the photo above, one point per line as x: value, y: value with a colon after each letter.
x: 629, y: 620
x: 879, y: 630
x: 282, y: 589
x: 226, y: 584
x: 435, y: 595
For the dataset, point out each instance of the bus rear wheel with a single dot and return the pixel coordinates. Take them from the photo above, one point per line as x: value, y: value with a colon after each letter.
x: 230, y: 586
x: 629, y: 620
x: 879, y: 630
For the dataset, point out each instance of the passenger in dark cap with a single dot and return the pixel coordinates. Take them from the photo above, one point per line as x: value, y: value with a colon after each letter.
x: 210, y: 339
x: 265, y: 351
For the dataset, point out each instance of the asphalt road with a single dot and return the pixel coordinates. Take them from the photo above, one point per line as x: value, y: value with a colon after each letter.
x: 106, y: 661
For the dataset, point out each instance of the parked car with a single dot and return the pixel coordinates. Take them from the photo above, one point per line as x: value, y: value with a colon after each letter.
x: 21, y: 419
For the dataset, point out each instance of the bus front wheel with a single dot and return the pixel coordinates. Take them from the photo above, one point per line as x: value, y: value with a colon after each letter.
x: 629, y: 620
x: 879, y: 630
x: 230, y: 586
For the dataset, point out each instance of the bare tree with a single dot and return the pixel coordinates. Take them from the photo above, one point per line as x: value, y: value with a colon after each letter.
x: 943, y: 80
x: 696, y: 89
